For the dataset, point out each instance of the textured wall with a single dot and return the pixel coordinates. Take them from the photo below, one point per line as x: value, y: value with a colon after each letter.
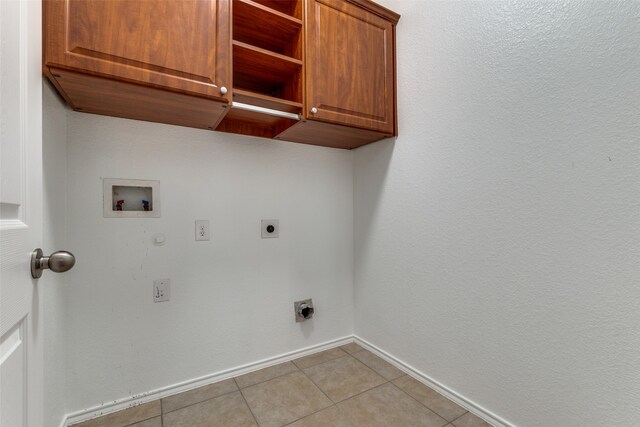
x: 52, y: 287
x: 498, y: 238
x: 232, y: 297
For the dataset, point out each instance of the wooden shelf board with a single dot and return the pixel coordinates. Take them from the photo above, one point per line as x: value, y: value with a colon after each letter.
x: 261, y: 26
x: 288, y: 7
x: 260, y: 100
x: 268, y: 73
x: 265, y: 57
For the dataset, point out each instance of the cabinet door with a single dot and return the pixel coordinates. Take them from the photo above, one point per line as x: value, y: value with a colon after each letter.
x: 180, y: 45
x: 349, y: 66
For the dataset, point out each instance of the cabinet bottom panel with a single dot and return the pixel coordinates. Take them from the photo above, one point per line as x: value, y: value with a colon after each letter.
x: 329, y: 135
x: 254, y: 124
x: 108, y: 97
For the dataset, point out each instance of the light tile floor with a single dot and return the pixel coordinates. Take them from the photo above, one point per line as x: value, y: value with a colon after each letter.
x: 341, y: 387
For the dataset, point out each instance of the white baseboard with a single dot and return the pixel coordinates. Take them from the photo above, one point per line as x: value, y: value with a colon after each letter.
x: 450, y: 394
x: 138, y: 399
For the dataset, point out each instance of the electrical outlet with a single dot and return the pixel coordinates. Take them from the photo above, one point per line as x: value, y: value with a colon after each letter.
x: 202, y: 230
x: 270, y: 228
x: 161, y: 290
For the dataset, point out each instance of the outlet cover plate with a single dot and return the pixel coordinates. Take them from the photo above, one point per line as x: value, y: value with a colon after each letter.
x: 202, y: 230
x: 161, y: 290
x: 270, y: 233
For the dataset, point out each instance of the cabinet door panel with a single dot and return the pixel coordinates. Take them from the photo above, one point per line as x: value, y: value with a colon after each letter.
x: 181, y: 45
x: 350, y: 66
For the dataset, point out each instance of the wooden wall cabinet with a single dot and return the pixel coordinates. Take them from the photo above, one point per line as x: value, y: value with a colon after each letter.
x: 156, y: 60
x: 351, y: 75
x: 323, y: 69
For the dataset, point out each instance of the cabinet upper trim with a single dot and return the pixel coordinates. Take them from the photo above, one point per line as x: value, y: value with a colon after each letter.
x: 377, y: 9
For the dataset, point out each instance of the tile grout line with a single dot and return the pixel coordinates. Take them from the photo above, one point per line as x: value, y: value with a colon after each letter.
x: 354, y: 352
x: 327, y: 361
x: 318, y: 387
x: 308, y: 415
x: 321, y: 390
x: 306, y: 376
x: 127, y: 425
x: 262, y: 382
x: 312, y: 382
x: 245, y: 401
x: 447, y: 421
x: 292, y: 361
x: 350, y: 397
x: 371, y: 367
x: 363, y: 392
x: 201, y: 401
x: 299, y: 369
x: 346, y: 353
x: 405, y: 392
x: 372, y: 370
x: 402, y: 373
x: 451, y: 422
x: 249, y: 406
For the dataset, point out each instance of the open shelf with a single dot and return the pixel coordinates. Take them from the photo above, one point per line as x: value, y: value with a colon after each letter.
x: 267, y: 67
x: 265, y: 101
x: 267, y: 73
x: 254, y: 124
x: 288, y: 7
x: 267, y: 28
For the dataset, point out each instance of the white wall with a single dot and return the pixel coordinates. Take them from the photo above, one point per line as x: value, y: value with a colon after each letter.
x: 53, y: 287
x: 498, y: 239
x: 232, y: 297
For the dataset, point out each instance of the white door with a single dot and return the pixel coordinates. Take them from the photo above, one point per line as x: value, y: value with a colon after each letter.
x: 20, y: 212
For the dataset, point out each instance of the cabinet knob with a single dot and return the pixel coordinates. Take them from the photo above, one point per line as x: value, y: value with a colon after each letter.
x: 314, y: 110
x: 223, y: 90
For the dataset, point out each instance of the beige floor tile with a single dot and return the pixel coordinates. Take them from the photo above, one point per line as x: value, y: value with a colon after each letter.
x: 430, y: 398
x: 229, y: 410
x: 470, y: 420
x: 265, y: 374
x: 284, y: 399
x: 153, y: 422
x: 330, y: 417
x: 386, y: 406
x: 125, y: 417
x: 351, y: 348
x: 343, y: 378
x: 384, y: 368
x: 196, y: 395
x: 317, y: 358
